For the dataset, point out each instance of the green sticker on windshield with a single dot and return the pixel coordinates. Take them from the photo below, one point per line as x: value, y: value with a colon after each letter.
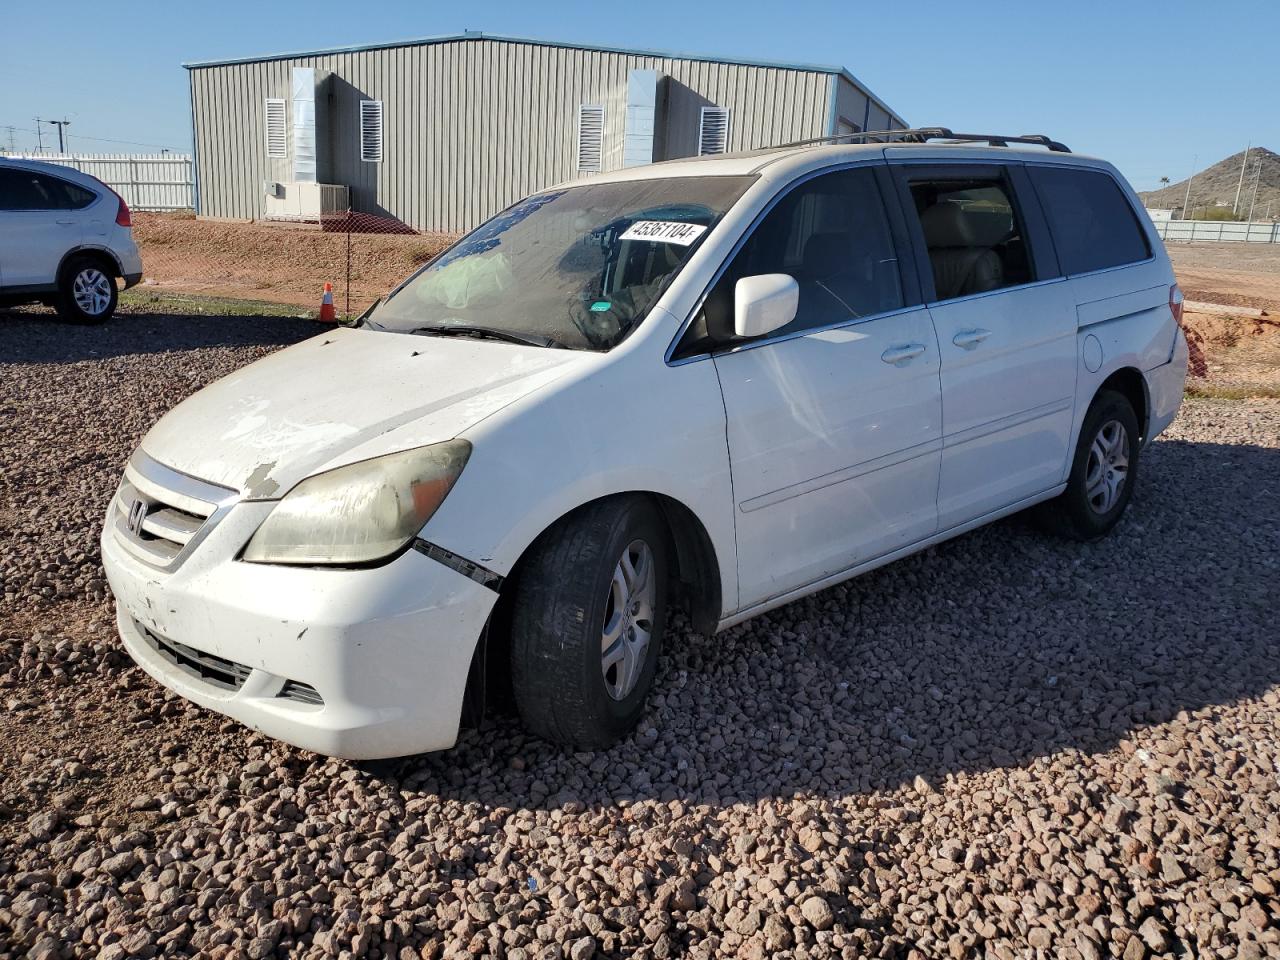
x: 600, y: 306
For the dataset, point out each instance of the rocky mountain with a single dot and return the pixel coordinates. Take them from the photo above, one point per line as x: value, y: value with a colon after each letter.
x: 1216, y: 185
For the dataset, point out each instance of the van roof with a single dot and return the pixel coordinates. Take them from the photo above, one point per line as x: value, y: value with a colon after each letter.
x: 784, y: 161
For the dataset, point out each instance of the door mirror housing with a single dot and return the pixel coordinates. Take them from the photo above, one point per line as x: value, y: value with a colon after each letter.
x: 763, y: 303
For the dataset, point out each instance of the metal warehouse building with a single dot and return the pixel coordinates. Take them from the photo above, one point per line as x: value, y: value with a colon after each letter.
x: 441, y: 133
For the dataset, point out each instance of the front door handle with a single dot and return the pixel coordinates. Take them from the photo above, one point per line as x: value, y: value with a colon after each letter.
x: 968, y: 339
x: 902, y: 354
x: 67, y: 223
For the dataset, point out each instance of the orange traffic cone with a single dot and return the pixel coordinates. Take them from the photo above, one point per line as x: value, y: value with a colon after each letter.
x: 326, y: 305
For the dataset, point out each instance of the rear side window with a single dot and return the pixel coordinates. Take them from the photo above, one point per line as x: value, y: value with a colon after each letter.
x: 973, y: 233
x: 28, y: 190
x: 1093, y: 224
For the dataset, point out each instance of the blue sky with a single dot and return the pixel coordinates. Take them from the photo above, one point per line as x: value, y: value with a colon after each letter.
x: 1148, y: 84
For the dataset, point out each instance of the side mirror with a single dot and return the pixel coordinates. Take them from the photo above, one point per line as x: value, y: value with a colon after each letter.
x: 763, y: 303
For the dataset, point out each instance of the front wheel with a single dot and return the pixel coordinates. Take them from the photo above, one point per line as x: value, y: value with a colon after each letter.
x: 1103, y: 472
x: 588, y: 618
x: 87, y: 292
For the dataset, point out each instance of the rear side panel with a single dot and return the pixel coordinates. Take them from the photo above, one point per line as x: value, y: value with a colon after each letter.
x: 1125, y: 322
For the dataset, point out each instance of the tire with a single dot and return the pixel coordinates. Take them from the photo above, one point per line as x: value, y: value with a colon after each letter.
x: 568, y: 687
x: 86, y: 291
x: 1106, y: 452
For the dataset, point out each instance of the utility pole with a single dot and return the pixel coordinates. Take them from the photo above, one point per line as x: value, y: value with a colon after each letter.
x: 12, y: 146
x: 39, y: 137
x: 1243, y: 163
x: 60, y: 124
x: 1186, y: 203
x: 1257, y: 175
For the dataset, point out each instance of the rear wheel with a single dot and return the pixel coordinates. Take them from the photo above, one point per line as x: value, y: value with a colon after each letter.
x: 1103, y: 472
x: 86, y: 292
x: 588, y: 618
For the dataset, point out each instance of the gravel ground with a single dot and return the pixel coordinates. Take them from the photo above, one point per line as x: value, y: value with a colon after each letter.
x: 1007, y: 746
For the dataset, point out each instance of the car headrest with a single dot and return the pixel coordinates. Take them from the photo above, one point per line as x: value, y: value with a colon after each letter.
x: 946, y: 225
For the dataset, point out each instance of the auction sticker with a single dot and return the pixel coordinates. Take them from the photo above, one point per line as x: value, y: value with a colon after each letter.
x: 664, y: 231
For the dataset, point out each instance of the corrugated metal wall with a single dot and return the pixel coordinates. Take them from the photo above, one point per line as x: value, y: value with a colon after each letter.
x: 473, y: 125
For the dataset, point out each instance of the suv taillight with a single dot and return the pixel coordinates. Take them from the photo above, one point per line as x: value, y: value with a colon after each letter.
x: 1175, y: 303
x: 123, y: 219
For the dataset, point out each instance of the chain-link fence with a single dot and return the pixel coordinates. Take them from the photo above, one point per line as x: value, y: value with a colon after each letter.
x: 284, y: 264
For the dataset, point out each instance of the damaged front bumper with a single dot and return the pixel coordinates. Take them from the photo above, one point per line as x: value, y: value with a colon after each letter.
x: 352, y: 663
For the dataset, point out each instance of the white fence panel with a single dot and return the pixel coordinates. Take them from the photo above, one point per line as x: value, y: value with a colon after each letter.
x: 160, y: 181
x: 1218, y: 230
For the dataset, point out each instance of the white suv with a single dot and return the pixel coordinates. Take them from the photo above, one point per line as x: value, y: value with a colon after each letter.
x: 721, y: 383
x: 65, y: 240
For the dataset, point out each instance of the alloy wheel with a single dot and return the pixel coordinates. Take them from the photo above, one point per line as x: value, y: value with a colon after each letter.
x: 1108, y: 466
x: 91, y: 291
x: 628, y: 621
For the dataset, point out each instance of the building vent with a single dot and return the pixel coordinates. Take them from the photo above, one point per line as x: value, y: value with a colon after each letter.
x: 277, y: 144
x: 713, y: 131
x: 590, y: 138
x: 371, y: 131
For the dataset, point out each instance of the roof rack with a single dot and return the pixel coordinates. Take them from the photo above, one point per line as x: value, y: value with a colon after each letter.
x: 925, y: 134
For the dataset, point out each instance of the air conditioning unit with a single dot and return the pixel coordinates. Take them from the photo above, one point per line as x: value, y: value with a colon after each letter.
x: 294, y: 200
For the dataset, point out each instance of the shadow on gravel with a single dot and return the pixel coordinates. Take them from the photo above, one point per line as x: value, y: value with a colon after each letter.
x: 989, y: 651
x: 39, y: 337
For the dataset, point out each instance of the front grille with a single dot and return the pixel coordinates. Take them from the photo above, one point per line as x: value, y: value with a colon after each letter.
x: 159, y: 514
x: 212, y: 669
x: 220, y: 671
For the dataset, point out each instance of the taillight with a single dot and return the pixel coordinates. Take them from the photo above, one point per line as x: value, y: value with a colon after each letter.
x: 123, y: 219
x: 1175, y: 303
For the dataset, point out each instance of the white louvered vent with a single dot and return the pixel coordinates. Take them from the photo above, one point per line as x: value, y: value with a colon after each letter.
x: 713, y: 131
x: 371, y: 131
x: 277, y: 144
x: 590, y: 138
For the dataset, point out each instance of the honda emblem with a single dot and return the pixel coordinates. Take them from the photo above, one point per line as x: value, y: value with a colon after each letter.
x: 137, y: 514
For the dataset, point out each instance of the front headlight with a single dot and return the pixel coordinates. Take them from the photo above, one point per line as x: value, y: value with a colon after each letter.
x: 362, y: 512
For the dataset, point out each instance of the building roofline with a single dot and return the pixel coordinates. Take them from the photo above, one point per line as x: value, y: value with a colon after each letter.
x: 600, y: 48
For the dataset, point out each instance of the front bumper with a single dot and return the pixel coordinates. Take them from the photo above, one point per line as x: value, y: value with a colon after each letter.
x: 387, y: 649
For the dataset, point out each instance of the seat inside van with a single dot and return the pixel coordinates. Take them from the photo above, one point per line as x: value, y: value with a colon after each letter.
x: 973, y: 236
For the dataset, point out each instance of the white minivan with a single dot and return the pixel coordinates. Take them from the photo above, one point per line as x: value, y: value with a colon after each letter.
x: 720, y: 383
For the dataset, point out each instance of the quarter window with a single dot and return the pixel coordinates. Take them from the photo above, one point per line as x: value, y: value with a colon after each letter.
x: 832, y: 235
x: 973, y: 233
x: 1093, y: 224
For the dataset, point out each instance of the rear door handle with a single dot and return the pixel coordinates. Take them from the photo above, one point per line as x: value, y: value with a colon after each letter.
x: 968, y: 339
x: 902, y: 354
x: 67, y: 223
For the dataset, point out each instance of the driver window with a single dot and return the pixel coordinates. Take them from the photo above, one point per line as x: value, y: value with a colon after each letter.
x: 832, y: 235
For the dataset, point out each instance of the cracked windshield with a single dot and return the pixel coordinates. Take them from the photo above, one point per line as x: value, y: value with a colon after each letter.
x: 577, y: 268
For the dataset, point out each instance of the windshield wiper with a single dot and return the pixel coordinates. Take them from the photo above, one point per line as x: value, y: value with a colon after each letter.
x: 489, y: 333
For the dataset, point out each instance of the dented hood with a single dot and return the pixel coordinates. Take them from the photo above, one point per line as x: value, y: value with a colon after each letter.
x: 344, y: 396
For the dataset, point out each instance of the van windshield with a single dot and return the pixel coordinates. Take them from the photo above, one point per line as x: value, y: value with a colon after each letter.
x: 578, y: 268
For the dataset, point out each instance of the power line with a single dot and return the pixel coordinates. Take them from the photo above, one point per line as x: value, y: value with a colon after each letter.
x: 85, y: 136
